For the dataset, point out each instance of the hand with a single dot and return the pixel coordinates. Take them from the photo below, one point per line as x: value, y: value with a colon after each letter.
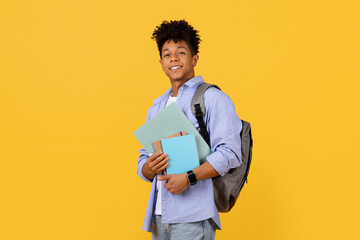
x: 155, y: 164
x: 175, y: 183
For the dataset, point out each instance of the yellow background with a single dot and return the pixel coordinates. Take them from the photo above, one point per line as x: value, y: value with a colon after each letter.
x: 77, y: 78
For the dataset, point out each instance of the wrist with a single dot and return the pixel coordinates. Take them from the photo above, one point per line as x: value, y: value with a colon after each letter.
x: 186, y: 179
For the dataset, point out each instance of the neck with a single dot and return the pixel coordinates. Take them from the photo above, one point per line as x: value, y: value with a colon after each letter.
x: 176, y: 85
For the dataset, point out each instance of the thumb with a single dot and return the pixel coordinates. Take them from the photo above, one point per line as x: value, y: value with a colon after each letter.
x: 164, y: 177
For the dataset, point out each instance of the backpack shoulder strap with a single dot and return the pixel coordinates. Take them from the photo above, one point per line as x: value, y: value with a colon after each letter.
x: 198, y: 108
x: 198, y: 97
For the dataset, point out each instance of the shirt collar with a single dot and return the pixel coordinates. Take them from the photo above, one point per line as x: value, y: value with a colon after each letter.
x: 195, y: 81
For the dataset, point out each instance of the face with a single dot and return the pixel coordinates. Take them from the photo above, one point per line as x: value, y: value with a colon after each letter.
x: 177, y: 61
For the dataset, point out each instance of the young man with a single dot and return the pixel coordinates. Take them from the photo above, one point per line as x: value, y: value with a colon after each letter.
x: 177, y: 209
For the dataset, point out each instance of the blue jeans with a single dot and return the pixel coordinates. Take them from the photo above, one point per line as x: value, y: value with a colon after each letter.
x: 203, y: 230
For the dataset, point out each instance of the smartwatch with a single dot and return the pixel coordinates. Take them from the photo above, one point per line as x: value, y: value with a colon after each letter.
x: 191, y: 177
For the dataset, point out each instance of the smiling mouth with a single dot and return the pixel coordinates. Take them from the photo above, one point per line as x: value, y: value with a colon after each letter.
x: 175, y: 67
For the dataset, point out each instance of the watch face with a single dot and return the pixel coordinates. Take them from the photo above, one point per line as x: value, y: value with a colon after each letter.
x: 192, y: 178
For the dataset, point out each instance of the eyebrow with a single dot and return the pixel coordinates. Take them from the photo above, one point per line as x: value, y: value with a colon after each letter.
x: 166, y: 49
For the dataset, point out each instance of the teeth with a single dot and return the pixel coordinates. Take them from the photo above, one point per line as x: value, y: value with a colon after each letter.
x: 176, y: 67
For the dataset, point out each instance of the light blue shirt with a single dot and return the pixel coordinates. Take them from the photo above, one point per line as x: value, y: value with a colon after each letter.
x: 196, y: 203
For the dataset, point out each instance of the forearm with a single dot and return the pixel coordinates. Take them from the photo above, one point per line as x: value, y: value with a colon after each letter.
x: 205, y: 171
x: 177, y: 183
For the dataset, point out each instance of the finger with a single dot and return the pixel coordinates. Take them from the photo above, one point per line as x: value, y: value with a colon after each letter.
x: 163, y: 178
x: 154, y: 156
x: 163, y: 168
x: 157, y: 161
x: 166, y: 185
x: 158, y: 158
x: 157, y: 154
x: 161, y: 163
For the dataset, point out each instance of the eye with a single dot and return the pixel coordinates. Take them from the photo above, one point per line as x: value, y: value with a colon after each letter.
x: 166, y: 55
x: 181, y: 52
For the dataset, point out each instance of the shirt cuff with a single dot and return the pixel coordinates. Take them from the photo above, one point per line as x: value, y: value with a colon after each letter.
x: 141, y: 162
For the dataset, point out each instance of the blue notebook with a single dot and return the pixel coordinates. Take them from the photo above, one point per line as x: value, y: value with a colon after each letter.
x: 182, y: 153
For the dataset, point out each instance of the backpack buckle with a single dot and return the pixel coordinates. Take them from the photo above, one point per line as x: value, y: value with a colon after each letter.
x: 198, y: 112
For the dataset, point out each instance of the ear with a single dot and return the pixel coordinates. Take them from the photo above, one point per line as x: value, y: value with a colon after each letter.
x: 195, y: 59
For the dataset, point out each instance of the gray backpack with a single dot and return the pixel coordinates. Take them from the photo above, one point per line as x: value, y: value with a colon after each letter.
x: 226, y: 188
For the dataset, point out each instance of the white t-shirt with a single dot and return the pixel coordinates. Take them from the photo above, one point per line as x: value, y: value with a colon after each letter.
x: 159, y: 183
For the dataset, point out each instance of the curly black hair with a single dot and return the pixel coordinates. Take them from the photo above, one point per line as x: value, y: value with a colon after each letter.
x: 177, y: 30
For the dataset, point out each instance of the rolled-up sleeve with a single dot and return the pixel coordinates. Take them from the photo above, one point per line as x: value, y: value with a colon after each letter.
x: 141, y: 161
x: 224, y: 127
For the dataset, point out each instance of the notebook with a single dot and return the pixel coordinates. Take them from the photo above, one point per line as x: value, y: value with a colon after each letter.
x: 182, y: 153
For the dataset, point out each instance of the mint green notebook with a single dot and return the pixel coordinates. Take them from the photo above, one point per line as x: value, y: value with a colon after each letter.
x: 182, y: 153
x: 167, y: 122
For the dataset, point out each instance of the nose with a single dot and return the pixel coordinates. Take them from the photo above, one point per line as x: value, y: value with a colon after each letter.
x: 174, y: 58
